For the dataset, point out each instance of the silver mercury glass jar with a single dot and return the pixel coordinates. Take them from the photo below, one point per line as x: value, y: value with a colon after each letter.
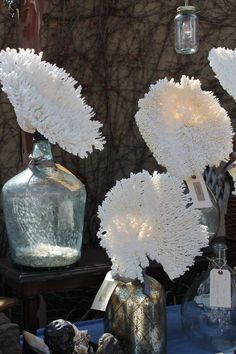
x: 138, y: 321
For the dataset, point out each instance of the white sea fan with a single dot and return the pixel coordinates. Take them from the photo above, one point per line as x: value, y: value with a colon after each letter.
x: 185, y: 127
x: 223, y: 63
x: 146, y: 216
x: 45, y: 99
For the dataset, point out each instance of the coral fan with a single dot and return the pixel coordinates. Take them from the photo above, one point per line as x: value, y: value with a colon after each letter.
x: 144, y: 217
x: 223, y: 63
x: 185, y: 127
x: 45, y: 99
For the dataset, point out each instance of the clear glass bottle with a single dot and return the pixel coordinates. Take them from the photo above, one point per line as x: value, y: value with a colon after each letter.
x: 210, y: 327
x: 44, y: 212
x: 186, y: 30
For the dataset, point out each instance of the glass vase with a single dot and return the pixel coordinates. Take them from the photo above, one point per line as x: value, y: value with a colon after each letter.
x: 186, y: 30
x: 211, y: 327
x: 44, y: 212
x: 138, y: 321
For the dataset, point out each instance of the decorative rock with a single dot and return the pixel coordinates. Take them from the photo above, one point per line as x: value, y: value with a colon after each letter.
x: 59, y: 335
x: 9, y: 336
x: 108, y: 344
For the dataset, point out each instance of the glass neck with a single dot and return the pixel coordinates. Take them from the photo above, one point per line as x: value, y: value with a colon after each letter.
x: 220, y: 255
x: 42, y: 150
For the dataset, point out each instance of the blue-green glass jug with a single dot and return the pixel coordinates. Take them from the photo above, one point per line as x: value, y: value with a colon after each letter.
x: 44, y: 212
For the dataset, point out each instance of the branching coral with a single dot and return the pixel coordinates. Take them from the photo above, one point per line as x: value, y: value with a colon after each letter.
x: 144, y: 217
x: 185, y: 127
x: 45, y: 99
x: 223, y: 63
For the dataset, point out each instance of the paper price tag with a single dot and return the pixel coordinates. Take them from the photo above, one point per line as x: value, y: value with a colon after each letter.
x: 232, y: 171
x: 220, y: 288
x: 104, y: 293
x: 198, y: 190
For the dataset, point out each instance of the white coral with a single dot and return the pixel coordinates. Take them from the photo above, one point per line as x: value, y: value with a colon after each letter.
x: 185, y: 127
x: 223, y: 63
x: 45, y: 99
x: 146, y: 216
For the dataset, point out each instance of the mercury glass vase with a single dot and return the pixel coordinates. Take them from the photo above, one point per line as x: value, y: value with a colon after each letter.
x: 44, y: 212
x: 138, y: 321
x: 212, y: 325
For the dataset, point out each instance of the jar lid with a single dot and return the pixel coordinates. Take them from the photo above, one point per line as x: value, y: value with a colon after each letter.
x: 186, y: 9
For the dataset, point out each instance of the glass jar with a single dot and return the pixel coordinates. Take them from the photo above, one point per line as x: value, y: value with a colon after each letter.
x: 210, y: 327
x: 186, y: 30
x: 44, y: 212
x: 137, y: 320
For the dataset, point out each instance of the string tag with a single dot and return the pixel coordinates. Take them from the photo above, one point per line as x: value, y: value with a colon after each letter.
x: 199, y: 193
x: 220, y: 288
x: 104, y: 293
x: 232, y: 170
x: 62, y: 179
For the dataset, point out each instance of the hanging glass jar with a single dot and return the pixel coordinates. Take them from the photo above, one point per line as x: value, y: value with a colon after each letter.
x: 186, y: 30
x: 211, y: 322
x: 44, y: 212
x: 137, y: 320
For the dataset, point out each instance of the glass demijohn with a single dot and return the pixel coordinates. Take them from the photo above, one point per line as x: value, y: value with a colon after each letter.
x: 211, y: 327
x: 44, y: 212
x: 186, y: 30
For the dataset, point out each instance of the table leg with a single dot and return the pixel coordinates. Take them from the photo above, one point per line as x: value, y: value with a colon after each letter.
x: 30, y: 310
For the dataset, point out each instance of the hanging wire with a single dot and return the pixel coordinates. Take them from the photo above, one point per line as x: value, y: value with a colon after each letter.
x: 186, y: 2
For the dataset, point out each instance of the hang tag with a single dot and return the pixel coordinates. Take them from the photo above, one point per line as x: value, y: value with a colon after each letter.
x: 199, y: 192
x: 220, y: 288
x: 104, y: 293
x: 59, y: 178
x: 232, y: 170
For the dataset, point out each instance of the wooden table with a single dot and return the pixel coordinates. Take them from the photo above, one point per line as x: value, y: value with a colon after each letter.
x: 88, y: 273
x: 29, y: 285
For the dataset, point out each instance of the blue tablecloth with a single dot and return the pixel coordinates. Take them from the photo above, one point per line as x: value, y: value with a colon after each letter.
x: 177, y: 341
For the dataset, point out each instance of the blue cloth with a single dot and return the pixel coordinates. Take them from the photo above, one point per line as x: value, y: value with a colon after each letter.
x: 177, y: 341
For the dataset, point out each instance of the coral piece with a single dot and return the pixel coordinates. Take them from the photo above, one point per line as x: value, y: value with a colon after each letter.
x: 223, y: 63
x: 109, y: 344
x: 146, y: 216
x: 185, y: 127
x: 45, y: 99
x: 81, y: 342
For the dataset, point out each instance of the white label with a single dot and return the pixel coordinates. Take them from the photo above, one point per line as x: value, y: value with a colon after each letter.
x: 104, y: 293
x: 199, y: 193
x: 220, y: 288
x: 232, y: 171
